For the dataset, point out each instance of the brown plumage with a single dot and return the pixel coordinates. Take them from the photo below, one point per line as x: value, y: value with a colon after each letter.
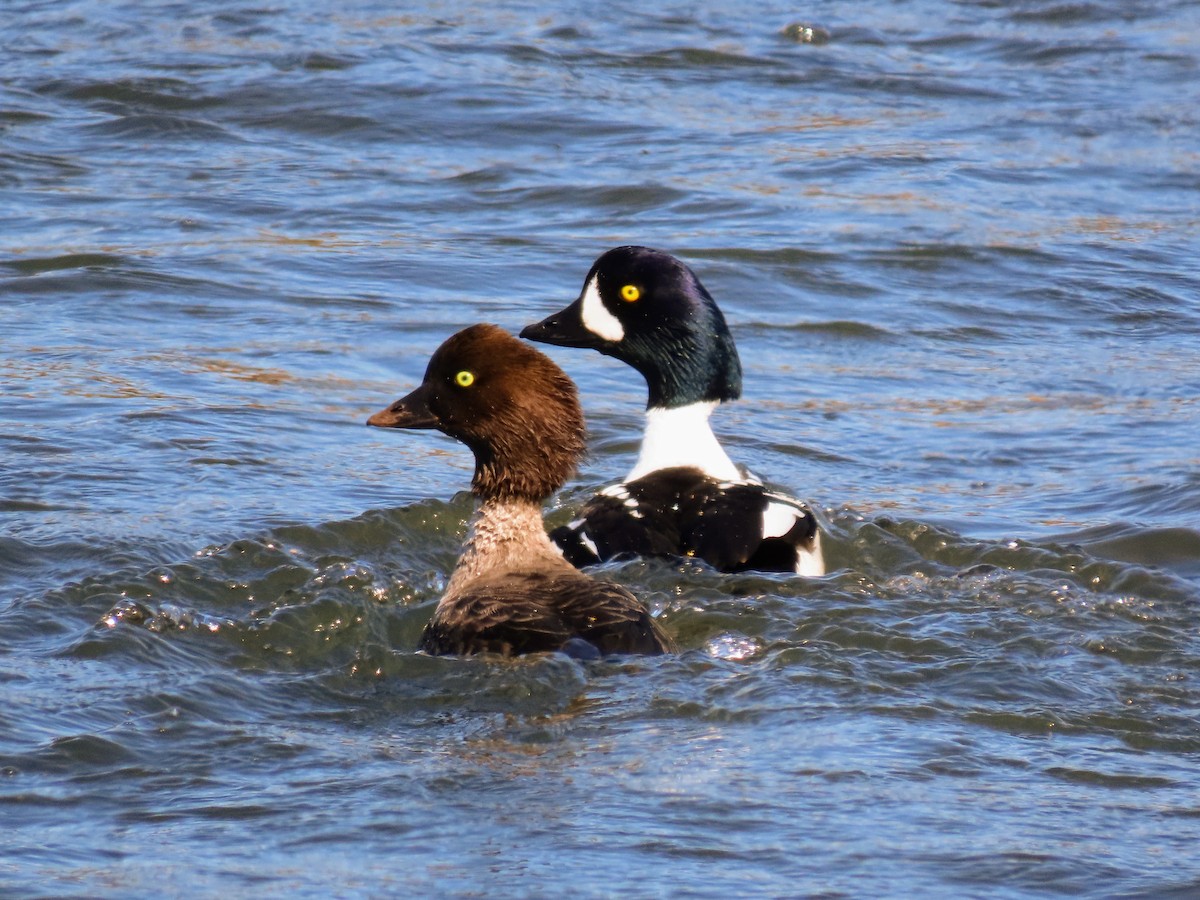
x: 511, y: 591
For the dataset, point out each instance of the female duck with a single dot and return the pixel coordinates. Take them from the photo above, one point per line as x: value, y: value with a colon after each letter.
x: 511, y: 591
x: 684, y: 495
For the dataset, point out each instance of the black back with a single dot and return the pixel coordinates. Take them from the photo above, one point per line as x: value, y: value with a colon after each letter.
x: 683, y: 512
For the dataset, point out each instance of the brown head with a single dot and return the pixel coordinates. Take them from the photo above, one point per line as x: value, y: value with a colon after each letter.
x: 517, y: 411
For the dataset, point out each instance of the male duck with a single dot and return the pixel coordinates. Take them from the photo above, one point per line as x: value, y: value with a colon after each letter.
x: 684, y: 496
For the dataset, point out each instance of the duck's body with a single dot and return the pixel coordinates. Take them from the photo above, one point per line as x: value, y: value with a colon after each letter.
x: 512, y: 592
x: 733, y: 526
x: 684, y: 495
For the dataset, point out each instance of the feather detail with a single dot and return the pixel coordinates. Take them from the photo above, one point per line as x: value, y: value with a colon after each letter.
x: 683, y: 512
x: 516, y: 614
x: 512, y: 591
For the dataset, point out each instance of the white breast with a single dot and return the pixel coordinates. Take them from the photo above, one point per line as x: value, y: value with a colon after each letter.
x: 683, y: 437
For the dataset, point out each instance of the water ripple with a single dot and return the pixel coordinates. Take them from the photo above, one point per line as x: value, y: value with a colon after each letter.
x: 956, y: 246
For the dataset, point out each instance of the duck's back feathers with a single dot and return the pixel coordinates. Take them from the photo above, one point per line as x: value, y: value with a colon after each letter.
x: 539, y: 611
x: 683, y: 512
x: 638, y: 518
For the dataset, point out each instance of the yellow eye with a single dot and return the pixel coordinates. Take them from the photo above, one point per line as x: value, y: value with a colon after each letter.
x: 464, y: 378
x: 630, y: 293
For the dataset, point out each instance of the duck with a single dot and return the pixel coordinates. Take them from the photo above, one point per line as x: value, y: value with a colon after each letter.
x: 511, y: 591
x: 684, y: 495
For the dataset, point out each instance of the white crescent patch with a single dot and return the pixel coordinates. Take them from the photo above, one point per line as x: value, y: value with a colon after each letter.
x: 596, y: 317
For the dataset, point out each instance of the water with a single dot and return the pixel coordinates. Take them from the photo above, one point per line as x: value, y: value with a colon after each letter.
x: 957, y: 245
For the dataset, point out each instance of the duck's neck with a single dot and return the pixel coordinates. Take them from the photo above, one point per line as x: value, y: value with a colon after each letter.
x: 682, y: 437
x: 505, y: 536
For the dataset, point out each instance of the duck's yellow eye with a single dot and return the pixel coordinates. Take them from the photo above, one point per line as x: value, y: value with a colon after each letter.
x: 630, y: 293
x: 464, y: 378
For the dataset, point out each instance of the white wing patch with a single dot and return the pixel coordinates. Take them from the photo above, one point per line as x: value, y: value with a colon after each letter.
x: 620, y: 492
x: 778, y: 519
x: 589, y: 543
x: 577, y: 528
x: 596, y: 317
x: 811, y: 561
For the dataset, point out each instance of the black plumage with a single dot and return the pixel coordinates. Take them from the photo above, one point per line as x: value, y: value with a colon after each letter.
x: 683, y: 512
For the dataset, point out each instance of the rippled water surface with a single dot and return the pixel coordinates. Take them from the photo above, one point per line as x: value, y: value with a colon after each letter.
x: 957, y: 245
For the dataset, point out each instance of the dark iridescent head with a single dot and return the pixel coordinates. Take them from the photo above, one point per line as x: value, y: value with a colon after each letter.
x: 517, y: 411
x: 648, y: 309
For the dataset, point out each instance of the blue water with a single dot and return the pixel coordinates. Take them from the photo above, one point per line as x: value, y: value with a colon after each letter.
x: 957, y: 245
